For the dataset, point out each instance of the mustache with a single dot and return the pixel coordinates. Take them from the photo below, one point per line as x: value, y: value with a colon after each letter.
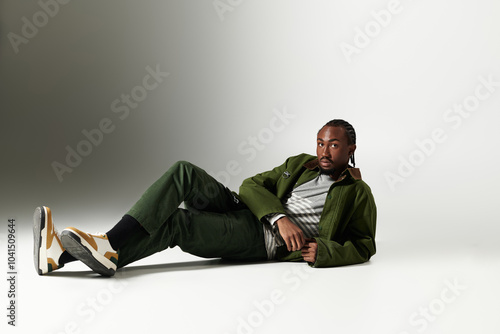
x: 327, y: 159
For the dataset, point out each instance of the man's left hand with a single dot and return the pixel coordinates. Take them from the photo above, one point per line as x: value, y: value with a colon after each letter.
x: 309, y: 250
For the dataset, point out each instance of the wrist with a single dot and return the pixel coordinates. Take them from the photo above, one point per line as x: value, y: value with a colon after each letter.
x: 273, y: 218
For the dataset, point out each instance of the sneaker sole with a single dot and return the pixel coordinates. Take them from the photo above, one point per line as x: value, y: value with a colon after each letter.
x: 40, y: 241
x: 81, y: 250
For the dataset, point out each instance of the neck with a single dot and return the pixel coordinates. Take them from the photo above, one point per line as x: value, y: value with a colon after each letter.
x: 336, y: 173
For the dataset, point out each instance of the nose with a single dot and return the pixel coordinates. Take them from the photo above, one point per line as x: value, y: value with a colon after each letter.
x: 325, y: 151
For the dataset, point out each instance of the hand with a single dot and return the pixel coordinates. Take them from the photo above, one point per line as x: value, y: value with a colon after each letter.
x: 291, y: 234
x: 310, y: 250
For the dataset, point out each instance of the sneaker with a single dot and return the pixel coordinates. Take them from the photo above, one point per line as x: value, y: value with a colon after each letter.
x: 93, y: 250
x: 47, y: 248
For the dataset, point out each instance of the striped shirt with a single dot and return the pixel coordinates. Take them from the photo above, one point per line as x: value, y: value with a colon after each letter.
x: 303, y: 206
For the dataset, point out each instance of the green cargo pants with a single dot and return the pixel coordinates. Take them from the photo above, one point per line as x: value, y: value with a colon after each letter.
x: 215, y: 223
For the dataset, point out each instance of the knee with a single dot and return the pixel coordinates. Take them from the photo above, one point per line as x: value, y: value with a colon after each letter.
x: 182, y: 165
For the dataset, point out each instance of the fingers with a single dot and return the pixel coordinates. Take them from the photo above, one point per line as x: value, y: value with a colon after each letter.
x: 309, y: 251
x: 291, y: 234
x: 307, y: 254
x: 309, y: 258
x: 300, y: 241
x: 291, y: 244
x: 296, y: 241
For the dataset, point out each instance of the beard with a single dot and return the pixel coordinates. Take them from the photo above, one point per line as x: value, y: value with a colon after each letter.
x: 329, y: 171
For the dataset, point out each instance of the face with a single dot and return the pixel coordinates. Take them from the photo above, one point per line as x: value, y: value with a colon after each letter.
x: 333, y: 150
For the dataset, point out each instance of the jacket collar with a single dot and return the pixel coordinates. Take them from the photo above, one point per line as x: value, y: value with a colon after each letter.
x: 354, y: 172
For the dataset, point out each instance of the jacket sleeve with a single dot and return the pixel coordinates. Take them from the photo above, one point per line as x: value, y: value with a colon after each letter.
x: 357, y: 244
x: 259, y: 192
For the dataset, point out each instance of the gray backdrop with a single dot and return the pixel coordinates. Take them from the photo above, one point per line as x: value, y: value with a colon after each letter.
x: 393, y: 69
x: 238, y: 86
x: 99, y: 98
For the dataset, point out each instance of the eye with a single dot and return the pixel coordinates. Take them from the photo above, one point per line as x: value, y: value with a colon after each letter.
x: 334, y: 145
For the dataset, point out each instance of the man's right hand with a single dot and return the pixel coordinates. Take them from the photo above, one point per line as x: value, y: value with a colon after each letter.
x: 291, y: 234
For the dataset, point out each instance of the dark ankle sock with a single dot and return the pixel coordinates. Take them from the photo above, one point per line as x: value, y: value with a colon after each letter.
x: 66, y: 258
x: 123, y: 230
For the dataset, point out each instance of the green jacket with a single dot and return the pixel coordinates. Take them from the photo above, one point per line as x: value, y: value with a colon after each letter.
x: 347, y: 223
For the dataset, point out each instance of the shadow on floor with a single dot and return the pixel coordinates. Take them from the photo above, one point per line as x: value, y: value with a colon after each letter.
x: 138, y: 270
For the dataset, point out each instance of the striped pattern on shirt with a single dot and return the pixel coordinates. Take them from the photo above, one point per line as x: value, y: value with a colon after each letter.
x: 303, y: 207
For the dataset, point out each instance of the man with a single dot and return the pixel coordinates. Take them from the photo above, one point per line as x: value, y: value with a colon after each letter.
x: 311, y: 208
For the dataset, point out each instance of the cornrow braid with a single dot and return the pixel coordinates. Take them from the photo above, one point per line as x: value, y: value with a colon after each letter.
x: 351, y: 134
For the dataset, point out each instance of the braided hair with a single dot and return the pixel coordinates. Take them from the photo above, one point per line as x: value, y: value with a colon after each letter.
x: 351, y: 134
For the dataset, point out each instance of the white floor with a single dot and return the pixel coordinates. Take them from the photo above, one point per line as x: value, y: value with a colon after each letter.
x: 402, y: 290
